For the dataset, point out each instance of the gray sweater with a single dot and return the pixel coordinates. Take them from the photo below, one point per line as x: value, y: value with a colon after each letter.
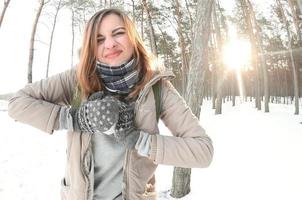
x: 108, y: 164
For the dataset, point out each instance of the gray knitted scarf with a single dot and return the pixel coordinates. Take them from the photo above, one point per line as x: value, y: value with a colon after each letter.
x: 118, y: 79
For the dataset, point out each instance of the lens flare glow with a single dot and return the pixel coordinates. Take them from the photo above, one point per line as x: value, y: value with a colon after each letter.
x: 237, y: 51
x: 237, y: 54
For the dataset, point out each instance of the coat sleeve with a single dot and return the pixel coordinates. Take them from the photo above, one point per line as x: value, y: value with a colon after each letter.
x: 189, y: 146
x: 38, y: 104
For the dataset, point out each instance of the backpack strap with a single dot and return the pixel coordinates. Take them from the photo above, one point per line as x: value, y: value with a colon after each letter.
x: 157, y: 93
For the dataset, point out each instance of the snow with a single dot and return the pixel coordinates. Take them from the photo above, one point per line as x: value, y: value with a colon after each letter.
x: 257, y: 156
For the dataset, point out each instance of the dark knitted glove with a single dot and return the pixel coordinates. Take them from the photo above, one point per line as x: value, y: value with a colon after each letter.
x: 98, y: 114
x: 125, y: 124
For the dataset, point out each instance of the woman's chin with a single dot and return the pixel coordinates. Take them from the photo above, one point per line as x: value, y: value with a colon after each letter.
x: 116, y: 63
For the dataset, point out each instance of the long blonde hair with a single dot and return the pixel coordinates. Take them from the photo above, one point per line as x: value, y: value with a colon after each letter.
x: 89, y: 82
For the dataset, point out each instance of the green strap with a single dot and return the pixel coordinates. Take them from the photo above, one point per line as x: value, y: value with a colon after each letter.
x: 156, y: 91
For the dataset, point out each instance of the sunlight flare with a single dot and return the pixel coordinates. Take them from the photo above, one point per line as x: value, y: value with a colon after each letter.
x: 240, y: 84
x: 236, y: 54
x: 237, y: 51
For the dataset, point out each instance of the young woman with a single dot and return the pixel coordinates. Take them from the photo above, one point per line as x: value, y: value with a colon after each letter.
x: 109, y: 109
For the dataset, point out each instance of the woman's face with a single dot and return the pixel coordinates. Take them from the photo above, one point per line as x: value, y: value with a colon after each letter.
x: 114, y: 47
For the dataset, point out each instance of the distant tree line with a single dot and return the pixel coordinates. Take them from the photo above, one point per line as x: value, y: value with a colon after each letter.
x: 189, y: 36
x: 168, y: 30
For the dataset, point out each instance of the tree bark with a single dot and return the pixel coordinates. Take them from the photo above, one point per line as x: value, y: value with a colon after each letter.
x: 260, y: 56
x: 32, y: 42
x: 295, y: 18
x: 193, y: 94
x: 191, y: 19
x: 142, y: 23
x: 164, y: 49
x: 254, y: 52
x: 213, y: 73
x: 199, y: 58
x: 152, y: 32
x: 181, y: 184
x: 300, y: 4
x: 72, y: 35
x: 213, y: 86
x: 182, y: 45
x: 133, y: 11
x: 291, y: 60
x: 6, y: 3
x: 51, y: 36
x: 219, y: 64
x: 233, y: 91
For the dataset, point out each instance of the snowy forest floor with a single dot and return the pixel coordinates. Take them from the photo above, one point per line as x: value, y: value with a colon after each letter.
x: 257, y: 157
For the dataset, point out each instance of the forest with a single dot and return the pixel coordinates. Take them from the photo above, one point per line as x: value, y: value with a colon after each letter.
x: 217, y: 52
x: 249, y: 51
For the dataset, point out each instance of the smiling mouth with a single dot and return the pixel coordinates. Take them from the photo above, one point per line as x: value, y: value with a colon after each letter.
x: 113, y: 54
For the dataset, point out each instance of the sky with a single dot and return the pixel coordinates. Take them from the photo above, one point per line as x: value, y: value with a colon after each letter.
x: 14, y: 43
x: 257, y: 156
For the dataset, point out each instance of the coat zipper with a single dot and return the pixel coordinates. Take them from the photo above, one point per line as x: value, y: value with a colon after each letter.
x: 86, y: 176
x: 126, y: 177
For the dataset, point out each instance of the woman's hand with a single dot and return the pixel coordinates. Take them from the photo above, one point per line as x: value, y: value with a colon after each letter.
x: 99, y: 114
x: 96, y: 116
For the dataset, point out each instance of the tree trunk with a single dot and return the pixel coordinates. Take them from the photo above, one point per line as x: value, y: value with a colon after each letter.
x: 213, y: 86
x: 233, y: 91
x: 295, y: 18
x: 199, y: 58
x: 182, y: 45
x: 300, y: 4
x: 291, y: 60
x: 213, y: 73
x: 32, y: 42
x: 133, y: 11
x: 164, y: 50
x: 51, y: 36
x: 219, y: 64
x: 193, y: 94
x: 261, y: 56
x: 142, y: 23
x: 286, y: 87
x: 6, y: 3
x: 191, y: 20
x: 72, y: 35
x: 254, y: 52
x: 152, y: 33
x: 181, y: 184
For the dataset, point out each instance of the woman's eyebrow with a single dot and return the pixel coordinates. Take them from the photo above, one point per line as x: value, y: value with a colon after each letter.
x: 114, y: 30
x: 118, y: 28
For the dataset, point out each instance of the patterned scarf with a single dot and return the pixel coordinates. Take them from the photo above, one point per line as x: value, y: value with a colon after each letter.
x: 119, y: 79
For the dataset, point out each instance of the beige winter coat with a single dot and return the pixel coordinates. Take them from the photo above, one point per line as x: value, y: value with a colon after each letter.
x: 38, y: 104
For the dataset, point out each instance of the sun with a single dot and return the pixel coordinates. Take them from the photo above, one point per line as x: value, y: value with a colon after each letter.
x: 237, y: 51
x: 237, y: 54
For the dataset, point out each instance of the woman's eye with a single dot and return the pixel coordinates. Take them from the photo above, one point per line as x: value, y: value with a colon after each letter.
x: 100, y: 40
x: 119, y: 33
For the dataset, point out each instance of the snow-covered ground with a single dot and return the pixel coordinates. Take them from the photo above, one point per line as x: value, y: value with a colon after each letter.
x: 257, y: 157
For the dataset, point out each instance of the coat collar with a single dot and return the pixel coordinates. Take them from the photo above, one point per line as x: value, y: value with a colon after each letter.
x: 158, y: 75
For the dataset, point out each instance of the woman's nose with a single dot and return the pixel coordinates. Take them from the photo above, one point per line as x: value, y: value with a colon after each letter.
x: 110, y: 42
